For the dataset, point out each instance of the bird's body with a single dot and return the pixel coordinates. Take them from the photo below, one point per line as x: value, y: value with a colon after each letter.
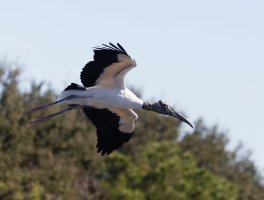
x: 105, y: 99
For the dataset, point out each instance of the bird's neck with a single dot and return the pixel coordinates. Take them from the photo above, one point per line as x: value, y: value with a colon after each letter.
x: 159, y: 107
x: 151, y: 106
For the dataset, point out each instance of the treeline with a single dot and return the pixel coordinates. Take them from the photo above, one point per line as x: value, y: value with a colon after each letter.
x: 58, y: 159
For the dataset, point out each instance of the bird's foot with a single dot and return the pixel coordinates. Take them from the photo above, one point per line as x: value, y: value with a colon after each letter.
x: 37, y: 121
x: 35, y: 108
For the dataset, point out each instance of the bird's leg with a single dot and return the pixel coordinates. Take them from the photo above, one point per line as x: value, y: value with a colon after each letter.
x: 44, y: 118
x: 41, y: 107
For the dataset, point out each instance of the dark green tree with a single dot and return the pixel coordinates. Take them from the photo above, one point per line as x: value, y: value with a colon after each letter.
x: 209, y: 146
x: 161, y: 170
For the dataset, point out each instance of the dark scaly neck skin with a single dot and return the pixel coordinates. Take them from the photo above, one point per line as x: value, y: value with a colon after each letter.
x: 160, y: 107
x: 155, y: 107
x: 147, y: 106
x: 164, y: 109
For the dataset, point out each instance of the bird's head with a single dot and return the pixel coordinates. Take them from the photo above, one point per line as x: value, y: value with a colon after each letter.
x: 165, y: 109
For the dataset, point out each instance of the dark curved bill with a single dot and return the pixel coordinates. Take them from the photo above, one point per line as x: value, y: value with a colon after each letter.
x: 180, y: 117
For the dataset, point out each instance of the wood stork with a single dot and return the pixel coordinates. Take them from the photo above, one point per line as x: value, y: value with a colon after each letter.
x: 105, y: 99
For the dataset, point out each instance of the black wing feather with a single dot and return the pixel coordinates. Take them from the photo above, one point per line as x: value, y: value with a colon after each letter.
x: 103, y: 57
x: 74, y: 86
x: 109, y: 137
x: 109, y: 47
x: 114, y: 46
x: 119, y: 45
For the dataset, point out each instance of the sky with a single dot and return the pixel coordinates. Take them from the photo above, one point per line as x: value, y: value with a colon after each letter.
x: 204, y: 57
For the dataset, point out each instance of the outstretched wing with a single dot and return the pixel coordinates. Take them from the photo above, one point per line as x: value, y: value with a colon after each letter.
x: 109, y: 67
x: 114, y: 127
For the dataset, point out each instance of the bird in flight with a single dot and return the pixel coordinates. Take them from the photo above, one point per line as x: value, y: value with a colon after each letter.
x: 105, y: 99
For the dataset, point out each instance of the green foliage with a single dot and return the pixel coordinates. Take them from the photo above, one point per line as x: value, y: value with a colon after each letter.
x: 208, y: 145
x: 58, y: 159
x: 161, y: 170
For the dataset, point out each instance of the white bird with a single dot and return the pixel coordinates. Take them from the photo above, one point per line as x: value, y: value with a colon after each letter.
x: 105, y: 99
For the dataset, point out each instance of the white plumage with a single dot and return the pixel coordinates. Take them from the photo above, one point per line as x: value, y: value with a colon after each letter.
x: 105, y: 99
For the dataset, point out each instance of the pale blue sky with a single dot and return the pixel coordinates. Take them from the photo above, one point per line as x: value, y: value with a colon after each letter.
x: 205, y: 57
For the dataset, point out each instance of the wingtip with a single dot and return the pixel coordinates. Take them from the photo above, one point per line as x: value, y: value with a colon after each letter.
x: 120, y: 46
x: 111, y: 46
